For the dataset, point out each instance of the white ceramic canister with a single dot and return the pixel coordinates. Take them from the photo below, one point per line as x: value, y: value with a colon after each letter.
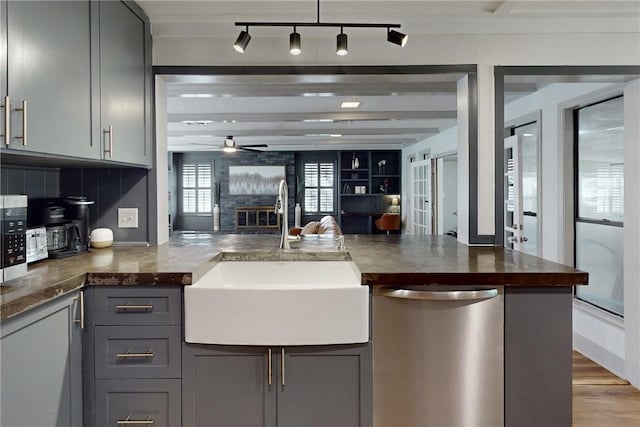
x: 101, y: 238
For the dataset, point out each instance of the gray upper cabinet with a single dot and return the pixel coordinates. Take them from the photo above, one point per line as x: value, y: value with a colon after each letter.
x: 123, y: 70
x: 47, y: 59
x: 41, y: 353
x: 77, y: 82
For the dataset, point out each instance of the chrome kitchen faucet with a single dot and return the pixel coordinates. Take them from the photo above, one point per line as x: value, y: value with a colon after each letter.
x: 282, y: 207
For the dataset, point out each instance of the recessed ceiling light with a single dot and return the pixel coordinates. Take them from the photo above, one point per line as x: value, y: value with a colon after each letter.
x: 335, y: 135
x: 527, y: 134
x: 196, y: 95
x: 318, y: 120
x: 197, y: 122
x: 350, y: 104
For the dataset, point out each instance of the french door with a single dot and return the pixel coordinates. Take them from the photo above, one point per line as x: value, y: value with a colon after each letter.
x: 421, y: 215
x: 513, y: 216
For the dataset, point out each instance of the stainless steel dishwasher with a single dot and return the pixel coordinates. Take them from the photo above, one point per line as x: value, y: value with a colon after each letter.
x: 438, y: 357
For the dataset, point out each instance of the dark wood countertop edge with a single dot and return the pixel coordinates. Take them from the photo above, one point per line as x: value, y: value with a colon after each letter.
x: 480, y: 279
x: 59, y: 289
x: 142, y: 279
x: 41, y: 297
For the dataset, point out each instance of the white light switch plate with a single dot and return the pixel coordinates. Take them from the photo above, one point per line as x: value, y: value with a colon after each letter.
x: 127, y: 217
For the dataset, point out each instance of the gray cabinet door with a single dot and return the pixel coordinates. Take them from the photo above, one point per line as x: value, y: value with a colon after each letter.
x: 122, y: 84
x: 226, y: 386
x: 138, y: 403
x: 48, y: 66
x: 325, y: 386
x: 41, y: 353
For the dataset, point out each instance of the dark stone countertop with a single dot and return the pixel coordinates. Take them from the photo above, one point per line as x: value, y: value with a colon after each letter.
x: 396, y: 260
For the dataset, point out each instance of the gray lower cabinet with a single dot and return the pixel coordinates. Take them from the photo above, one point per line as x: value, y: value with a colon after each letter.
x: 138, y: 403
x: 48, y: 71
x: 123, y: 71
x: 41, y: 353
x: 133, y: 356
x: 538, y: 364
x: 254, y: 386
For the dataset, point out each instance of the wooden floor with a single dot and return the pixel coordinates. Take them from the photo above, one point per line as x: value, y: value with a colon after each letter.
x: 601, y: 399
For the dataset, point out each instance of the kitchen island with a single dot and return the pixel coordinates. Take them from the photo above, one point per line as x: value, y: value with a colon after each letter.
x: 537, y: 294
x: 382, y: 260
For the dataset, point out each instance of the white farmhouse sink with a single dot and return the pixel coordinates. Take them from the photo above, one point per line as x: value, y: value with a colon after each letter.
x: 278, y: 303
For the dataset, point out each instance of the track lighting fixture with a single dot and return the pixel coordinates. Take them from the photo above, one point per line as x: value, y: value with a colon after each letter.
x: 294, y: 43
x: 341, y: 44
x: 396, y: 37
x: 241, y: 43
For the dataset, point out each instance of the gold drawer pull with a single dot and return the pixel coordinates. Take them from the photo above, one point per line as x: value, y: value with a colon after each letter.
x: 147, y: 307
x: 129, y: 355
x: 129, y: 422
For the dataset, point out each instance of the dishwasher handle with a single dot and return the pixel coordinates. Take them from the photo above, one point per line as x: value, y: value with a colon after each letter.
x: 476, y: 294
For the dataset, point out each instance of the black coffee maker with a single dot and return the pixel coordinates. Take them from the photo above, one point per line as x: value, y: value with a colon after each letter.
x: 67, y: 222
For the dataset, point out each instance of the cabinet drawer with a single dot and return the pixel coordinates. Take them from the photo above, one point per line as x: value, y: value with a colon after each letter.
x: 140, y: 352
x: 149, y: 402
x: 138, y: 306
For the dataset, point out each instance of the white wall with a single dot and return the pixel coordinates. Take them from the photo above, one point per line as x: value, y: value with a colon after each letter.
x: 162, y: 164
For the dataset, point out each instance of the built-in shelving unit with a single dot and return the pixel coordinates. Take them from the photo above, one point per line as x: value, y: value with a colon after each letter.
x: 368, y: 182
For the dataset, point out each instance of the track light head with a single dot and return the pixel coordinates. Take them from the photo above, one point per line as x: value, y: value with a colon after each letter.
x: 341, y: 48
x: 242, y: 41
x: 396, y: 37
x: 294, y: 43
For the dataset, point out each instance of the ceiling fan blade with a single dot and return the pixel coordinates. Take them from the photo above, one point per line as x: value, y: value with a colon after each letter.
x: 249, y: 149
x: 254, y: 145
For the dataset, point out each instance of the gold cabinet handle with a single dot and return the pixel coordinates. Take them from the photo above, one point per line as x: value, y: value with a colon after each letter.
x: 7, y: 120
x: 129, y: 422
x: 269, y: 370
x: 282, y: 366
x: 80, y: 299
x: 24, y: 122
x: 127, y: 307
x: 110, y: 132
x: 130, y: 355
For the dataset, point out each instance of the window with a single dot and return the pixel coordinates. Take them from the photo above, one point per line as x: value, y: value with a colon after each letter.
x: 599, y: 213
x: 319, y: 187
x: 196, y: 188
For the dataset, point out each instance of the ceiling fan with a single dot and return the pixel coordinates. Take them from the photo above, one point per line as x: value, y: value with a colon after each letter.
x: 230, y: 146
